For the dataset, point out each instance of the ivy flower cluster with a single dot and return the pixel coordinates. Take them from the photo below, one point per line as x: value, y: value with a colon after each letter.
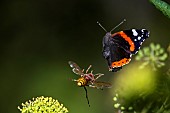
x: 42, y: 105
x: 154, y: 55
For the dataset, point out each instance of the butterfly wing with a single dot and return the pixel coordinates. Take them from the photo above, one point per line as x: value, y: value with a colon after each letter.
x: 118, y: 57
x: 116, y: 52
x: 119, y: 47
x: 137, y: 36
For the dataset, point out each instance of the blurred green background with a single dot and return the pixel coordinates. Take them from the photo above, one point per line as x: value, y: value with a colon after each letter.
x: 39, y: 37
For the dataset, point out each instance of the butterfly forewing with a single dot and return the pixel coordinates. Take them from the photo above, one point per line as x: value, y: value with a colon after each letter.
x: 137, y: 36
x: 75, y: 68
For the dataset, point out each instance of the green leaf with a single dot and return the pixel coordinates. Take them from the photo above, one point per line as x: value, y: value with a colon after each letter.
x: 162, y: 6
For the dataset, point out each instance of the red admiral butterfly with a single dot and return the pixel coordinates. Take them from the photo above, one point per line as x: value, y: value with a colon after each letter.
x: 119, y: 47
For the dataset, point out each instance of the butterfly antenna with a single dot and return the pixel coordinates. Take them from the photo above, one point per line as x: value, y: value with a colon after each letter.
x: 101, y: 26
x: 118, y: 24
x: 87, y: 96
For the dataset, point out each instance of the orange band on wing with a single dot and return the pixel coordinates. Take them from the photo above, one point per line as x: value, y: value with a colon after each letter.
x: 123, y: 35
x: 121, y: 62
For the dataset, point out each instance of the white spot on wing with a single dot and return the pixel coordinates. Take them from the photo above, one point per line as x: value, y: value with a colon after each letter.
x: 143, y: 30
x: 130, y: 56
x: 139, y: 37
x: 134, y: 32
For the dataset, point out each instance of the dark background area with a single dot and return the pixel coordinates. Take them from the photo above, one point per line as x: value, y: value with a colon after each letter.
x: 38, y: 38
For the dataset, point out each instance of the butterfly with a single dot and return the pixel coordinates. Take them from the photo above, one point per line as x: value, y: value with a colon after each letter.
x: 119, y: 47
